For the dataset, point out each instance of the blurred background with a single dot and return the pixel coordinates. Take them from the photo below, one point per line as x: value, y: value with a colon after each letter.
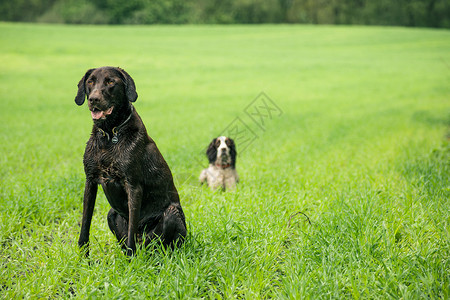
x: 421, y: 13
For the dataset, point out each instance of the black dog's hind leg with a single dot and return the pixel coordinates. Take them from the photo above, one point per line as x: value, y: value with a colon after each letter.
x: 171, y: 229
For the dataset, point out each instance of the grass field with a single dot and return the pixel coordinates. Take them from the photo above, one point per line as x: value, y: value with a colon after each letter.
x: 355, y: 140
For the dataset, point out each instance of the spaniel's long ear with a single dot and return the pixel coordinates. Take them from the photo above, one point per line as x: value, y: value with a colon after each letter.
x: 81, y: 94
x: 130, y: 87
x: 233, y: 152
x: 211, y: 152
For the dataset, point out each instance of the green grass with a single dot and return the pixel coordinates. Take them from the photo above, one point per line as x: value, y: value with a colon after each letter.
x: 360, y: 149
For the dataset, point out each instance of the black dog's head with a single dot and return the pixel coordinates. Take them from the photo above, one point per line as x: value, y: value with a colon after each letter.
x: 109, y: 91
x: 222, y: 152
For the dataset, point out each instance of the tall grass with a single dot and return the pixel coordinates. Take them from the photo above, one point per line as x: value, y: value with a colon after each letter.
x: 344, y: 193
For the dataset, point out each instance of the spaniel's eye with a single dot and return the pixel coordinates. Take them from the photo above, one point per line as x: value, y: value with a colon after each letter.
x: 90, y: 82
x: 110, y: 82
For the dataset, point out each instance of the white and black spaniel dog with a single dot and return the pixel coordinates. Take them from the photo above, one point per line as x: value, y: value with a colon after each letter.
x: 221, y: 172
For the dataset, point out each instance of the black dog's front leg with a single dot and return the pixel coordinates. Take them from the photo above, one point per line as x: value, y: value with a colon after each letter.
x: 134, y: 209
x: 90, y: 193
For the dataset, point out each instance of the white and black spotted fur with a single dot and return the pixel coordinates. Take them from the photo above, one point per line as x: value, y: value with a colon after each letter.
x: 221, y: 172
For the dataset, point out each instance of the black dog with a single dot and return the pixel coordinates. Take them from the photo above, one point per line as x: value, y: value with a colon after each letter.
x: 124, y: 160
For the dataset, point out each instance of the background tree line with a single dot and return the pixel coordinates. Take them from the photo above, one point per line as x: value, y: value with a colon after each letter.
x: 424, y: 13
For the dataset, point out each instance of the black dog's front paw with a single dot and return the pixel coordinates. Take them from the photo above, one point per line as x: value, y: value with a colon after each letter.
x: 130, y: 253
x: 130, y: 249
x: 84, y: 247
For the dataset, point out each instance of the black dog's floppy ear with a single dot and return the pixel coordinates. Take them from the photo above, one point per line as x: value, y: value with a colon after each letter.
x: 211, y: 152
x: 81, y: 94
x: 130, y: 87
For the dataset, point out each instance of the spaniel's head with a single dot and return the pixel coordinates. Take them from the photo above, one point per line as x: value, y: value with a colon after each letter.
x: 222, y: 152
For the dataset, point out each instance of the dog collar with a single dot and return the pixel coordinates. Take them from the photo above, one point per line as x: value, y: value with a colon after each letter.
x: 223, y: 166
x: 115, y: 130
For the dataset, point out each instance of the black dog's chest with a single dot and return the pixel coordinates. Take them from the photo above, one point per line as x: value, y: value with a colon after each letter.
x: 109, y: 168
x: 110, y: 175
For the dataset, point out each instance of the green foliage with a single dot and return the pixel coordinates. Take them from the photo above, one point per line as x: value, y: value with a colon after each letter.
x: 159, y: 12
x: 423, y: 13
x: 116, y: 12
x: 24, y: 10
x: 74, y: 12
x: 361, y: 150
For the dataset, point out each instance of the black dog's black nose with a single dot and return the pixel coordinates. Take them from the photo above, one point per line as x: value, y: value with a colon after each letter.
x: 94, y: 98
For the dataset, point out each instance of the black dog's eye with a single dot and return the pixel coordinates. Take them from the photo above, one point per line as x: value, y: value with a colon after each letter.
x: 109, y: 82
x: 90, y: 82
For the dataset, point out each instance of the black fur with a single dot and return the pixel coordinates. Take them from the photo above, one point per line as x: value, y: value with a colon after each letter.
x: 211, y: 152
x: 81, y: 95
x: 232, y: 147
